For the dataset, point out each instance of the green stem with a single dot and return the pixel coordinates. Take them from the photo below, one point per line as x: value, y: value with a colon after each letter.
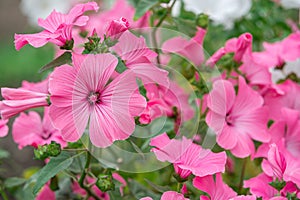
x: 3, y: 194
x: 242, y: 175
x: 153, y: 34
x: 83, y: 175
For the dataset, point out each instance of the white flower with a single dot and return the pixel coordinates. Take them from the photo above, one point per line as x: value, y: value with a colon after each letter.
x: 289, y: 67
x: 290, y: 3
x: 220, y: 11
x: 35, y: 9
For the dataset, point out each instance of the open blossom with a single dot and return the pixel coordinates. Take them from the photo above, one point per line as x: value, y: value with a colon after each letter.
x: 237, y: 119
x: 189, y: 49
x: 187, y: 157
x: 3, y: 128
x: 29, y: 129
x: 81, y: 93
x: 57, y: 27
x: 17, y: 100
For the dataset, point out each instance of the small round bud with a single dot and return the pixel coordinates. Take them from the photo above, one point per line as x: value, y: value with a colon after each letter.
x: 202, y: 20
x: 105, y: 182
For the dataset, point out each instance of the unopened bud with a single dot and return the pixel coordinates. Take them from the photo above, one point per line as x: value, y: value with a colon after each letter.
x: 105, y: 182
x: 116, y: 27
x: 47, y: 150
x: 202, y: 20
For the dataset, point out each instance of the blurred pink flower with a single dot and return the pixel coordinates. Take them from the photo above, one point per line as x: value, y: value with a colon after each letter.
x: 237, y: 119
x: 168, y: 195
x: 31, y: 130
x: 217, y: 190
x: 81, y: 93
x: 191, y: 49
x: 187, y: 157
x: 17, y: 100
x: 46, y: 193
x: 3, y: 128
x: 58, y: 27
x: 41, y: 87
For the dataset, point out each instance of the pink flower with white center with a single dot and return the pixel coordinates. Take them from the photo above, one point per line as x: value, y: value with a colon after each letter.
x: 237, y: 119
x: 189, y: 49
x: 188, y: 158
x: 17, y: 100
x: 217, y: 190
x: 31, y: 130
x: 58, y: 27
x: 116, y: 27
x: 83, y: 94
x: 3, y: 128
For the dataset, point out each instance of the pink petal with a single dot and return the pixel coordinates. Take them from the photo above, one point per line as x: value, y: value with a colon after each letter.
x: 244, y: 146
x: 130, y: 48
x: 35, y: 40
x: 277, y: 161
x: 172, y: 195
x: 79, y: 10
x: 222, y: 97
x: 26, y: 129
x: 247, y: 99
x: 3, y: 128
x: 228, y: 138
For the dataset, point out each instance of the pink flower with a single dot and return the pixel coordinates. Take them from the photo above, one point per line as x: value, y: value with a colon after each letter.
x: 192, y: 49
x: 81, y: 93
x: 116, y: 27
x: 277, y: 161
x: 276, y: 54
x: 41, y: 87
x: 275, y: 101
x: 31, y: 130
x: 259, y: 186
x: 18, y: 100
x: 119, y: 178
x: 162, y: 100
x: 239, y: 46
x: 188, y: 157
x: 3, y: 128
x: 217, y: 190
x: 237, y: 119
x: 120, y: 9
x: 58, y: 27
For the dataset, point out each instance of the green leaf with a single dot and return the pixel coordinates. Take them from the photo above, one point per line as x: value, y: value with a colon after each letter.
x: 3, y: 154
x: 56, y: 164
x: 140, y: 191
x: 143, y: 6
x: 121, y: 66
x: 158, y: 188
x: 65, y: 58
x: 13, y: 182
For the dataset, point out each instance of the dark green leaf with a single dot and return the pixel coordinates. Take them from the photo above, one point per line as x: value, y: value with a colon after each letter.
x: 143, y: 6
x: 56, y: 164
x: 158, y: 188
x: 65, y: 58
x: 13, y: 182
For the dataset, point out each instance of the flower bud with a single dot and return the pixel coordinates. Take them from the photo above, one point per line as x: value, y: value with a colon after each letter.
x: 116, y: 27
x: 45, y: 151
x: 202, y: 20
x: 105, y: 182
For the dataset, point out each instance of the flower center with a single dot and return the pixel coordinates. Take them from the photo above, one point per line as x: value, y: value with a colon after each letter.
x: 46, y: 134
x: 94, y: 97
x: 229, y: 119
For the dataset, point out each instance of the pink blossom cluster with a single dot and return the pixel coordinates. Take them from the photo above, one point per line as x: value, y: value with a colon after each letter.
x: 250, y: 115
